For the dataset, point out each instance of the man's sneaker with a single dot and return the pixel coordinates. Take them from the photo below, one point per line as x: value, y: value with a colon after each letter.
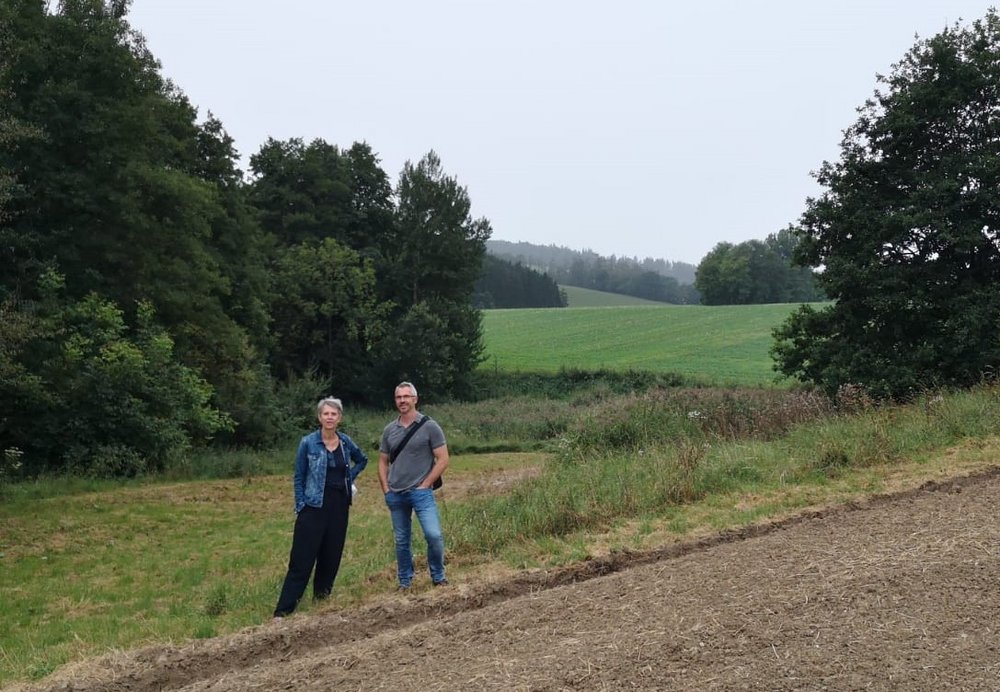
x: 443, y: 582
x: 403, y: 588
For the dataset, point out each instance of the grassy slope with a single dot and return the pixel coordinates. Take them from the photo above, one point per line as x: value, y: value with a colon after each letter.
x: 588, y: 298
x: 727, y: 344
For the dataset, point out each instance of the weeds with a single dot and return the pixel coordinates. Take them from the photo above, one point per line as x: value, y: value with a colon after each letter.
x: 218, y: 601
x: 642, y: 454
x: 641, y: 421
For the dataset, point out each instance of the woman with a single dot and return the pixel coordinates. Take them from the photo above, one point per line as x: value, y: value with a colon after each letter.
x: 326, y: 466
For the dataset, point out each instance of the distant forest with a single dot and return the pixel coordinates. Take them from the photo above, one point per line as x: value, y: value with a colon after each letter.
x: 506, y: 284
x: 553, y: 259
x: 748, y: 273
x: 652, y: 279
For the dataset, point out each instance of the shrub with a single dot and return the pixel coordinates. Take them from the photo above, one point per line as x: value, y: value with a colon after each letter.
x: 92, y: 396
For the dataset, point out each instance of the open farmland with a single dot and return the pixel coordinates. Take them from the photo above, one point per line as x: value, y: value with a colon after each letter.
x: 860, y: 554
x: 893, y: 593
x: 719, y: 344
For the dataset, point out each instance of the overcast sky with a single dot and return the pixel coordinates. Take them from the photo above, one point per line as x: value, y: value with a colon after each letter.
x: 638, y: 128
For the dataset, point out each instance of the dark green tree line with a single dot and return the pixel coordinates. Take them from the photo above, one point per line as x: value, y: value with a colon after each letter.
x: 504, y: 284
x: 146, y: 280
x: 755, y: 272
x: 554, y: 259
x: 907, y: 230
x: 622, y: 275
x: 108, y: 195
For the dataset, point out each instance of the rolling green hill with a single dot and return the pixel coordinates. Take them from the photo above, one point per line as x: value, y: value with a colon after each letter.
x: 724, y: 344
x: 587, y: 298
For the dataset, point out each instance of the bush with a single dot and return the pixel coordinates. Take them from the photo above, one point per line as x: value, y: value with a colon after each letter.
x: 85, y: 394
x: 271, y: 411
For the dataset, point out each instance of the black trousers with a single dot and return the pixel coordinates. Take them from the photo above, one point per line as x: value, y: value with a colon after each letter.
x: 318, y: 539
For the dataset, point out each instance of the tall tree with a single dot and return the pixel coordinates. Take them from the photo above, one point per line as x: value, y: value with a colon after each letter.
x: 369, y: 228
x: 315, y: 191
x: 432, y: 263
x: 122, y: 191
x: 326, y: 315
x: 239, y: 247
x: 908, y: 229
x: 723, y: 276
x: 799, y: 282
x: 438, y: 248
x: 302, y: 192
x: 331, y: 215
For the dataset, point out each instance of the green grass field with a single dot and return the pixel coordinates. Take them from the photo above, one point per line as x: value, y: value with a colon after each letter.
x: 721, y: 345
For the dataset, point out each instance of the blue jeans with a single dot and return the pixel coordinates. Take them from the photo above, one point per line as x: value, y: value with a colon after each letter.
x: 402, y: 506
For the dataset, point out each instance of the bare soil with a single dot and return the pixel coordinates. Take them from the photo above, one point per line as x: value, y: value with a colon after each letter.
x: 897, y: 592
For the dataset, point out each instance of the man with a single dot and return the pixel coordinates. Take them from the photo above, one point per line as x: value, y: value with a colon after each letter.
x: 408, y: 483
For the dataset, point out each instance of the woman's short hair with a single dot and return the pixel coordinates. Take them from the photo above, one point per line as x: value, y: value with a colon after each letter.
x: 331, y: 402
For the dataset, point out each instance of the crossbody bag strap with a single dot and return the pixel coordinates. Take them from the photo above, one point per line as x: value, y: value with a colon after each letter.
x: 409, y: 433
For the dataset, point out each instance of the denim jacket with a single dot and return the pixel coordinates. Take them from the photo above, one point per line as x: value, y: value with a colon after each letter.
x: 310, y: 468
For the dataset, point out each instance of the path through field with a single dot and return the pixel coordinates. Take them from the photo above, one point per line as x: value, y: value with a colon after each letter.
x: 896, y: 593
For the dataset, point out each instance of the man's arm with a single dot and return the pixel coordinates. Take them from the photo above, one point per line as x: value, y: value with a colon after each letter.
x: 383, y: 471
x: 440, y: 464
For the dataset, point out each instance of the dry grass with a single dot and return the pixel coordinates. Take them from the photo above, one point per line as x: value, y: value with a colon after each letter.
x: 726, y: 511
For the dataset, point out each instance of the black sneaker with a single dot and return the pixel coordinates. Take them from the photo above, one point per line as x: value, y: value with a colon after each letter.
x: 403, y: 588
x: 443, y: 582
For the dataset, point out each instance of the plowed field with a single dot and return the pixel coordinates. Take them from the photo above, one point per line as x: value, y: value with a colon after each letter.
x: 899, y: 592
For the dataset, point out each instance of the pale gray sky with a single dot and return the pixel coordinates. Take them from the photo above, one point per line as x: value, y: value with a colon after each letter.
x: 636, y: 127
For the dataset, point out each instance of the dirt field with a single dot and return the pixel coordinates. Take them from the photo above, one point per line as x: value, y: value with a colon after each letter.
x: 897, y: 593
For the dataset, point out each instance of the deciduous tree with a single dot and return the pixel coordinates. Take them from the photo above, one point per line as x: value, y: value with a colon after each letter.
x: 326, y: 315
x: 907, y: 231
x: 432, y: 263
x: 755, y: 272
x: 121, y: 191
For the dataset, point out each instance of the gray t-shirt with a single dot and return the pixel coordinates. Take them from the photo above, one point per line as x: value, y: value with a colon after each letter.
x: 417, y: 458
